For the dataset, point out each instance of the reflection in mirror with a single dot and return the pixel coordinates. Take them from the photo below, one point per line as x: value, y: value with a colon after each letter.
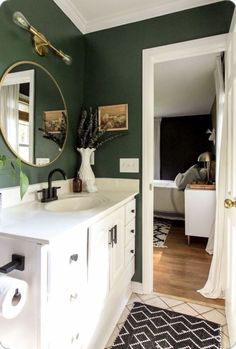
x: 16, y: 112
x: 33, y: 114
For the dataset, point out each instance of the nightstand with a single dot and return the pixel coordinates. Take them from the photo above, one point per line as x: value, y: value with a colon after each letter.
x: 199, y: 212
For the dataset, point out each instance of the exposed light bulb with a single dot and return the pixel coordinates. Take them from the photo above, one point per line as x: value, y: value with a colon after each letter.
x: 20, y: 20
x: 67, y: 59
x: 41, y: 43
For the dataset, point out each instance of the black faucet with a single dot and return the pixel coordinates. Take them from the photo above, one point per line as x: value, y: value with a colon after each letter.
x: 50, y: 193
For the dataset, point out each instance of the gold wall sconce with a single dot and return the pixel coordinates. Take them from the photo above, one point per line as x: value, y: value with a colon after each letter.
x: 41, y: 43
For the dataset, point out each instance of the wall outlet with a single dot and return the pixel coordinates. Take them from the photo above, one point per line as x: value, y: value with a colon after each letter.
x: 129, y: 165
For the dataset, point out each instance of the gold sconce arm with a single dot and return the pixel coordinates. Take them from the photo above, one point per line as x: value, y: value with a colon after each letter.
x: 41, y: 43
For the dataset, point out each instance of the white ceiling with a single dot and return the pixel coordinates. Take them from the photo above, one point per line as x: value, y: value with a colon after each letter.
x: 93, y: 15
x: 185, y: 87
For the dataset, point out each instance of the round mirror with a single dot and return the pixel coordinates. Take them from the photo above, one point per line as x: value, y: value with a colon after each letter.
x: 33, y: 114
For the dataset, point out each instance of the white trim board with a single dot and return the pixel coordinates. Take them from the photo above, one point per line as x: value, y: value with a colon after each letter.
x: 86, y: 25
x: 152, y: 56
x: 137, y: 287
x: 72, y: 12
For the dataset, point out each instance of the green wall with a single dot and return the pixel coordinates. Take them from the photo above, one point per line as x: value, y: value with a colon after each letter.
x: 113, y: 75
x: 16, y: 46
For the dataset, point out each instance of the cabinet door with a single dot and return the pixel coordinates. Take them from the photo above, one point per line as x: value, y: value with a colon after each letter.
x: 117, y: 258
x: 98, y: 278
x: 98, y: 257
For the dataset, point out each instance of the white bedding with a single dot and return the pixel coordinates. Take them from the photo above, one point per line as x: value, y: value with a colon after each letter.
x: 168, y: 200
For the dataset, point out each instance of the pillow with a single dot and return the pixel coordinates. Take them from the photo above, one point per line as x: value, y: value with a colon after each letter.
x: 178, y: 179
x: 191, y: 175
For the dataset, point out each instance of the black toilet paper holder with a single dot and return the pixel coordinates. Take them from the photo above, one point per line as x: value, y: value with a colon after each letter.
x: 17, y: 262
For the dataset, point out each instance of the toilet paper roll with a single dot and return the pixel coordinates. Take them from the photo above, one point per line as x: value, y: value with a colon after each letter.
x: 13, y: 295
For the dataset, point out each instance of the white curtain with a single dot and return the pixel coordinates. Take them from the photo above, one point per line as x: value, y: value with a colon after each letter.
x: 215, y: 285
x: 220, y: 98
x: 9, y: 99
x: 157, y: 153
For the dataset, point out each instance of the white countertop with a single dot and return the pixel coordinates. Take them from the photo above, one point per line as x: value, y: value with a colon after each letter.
x: 32, y: 221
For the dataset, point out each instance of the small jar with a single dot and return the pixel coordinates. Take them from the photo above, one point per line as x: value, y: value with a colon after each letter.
x: 77, y: 184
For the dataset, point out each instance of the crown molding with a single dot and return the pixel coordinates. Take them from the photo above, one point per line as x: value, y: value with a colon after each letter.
x: 130, y: 16
x: 73, y: 13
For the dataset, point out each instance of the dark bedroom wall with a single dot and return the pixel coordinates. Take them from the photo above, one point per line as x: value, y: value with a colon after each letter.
x: 16, y: 46
x: 183, y: 139
x: 113, y: 75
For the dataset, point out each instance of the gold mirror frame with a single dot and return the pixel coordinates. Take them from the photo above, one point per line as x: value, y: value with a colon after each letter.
x: 9, y: 69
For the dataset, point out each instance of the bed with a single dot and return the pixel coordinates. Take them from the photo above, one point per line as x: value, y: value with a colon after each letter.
x: 168, y: 200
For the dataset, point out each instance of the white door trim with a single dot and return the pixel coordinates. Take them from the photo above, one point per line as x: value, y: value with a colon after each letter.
x: 152, y: 56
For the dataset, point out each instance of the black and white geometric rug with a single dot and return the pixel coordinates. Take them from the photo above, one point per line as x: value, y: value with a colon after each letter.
x: 149, y: 327
x: 161, y: 228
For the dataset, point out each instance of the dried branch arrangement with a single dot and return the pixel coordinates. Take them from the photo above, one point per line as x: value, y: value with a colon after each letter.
x: 89, y: 134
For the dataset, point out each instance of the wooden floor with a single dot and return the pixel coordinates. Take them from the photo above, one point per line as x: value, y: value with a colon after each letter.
x: 180, y: 270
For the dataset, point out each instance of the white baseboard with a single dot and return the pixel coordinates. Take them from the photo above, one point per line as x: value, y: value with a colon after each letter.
x: 137, y: 287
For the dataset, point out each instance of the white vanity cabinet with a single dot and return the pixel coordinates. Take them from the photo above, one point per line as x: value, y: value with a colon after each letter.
x: 89, y: 274
x: 79, y: 280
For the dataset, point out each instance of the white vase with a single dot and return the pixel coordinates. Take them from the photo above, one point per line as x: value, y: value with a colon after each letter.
x: 85, y: 172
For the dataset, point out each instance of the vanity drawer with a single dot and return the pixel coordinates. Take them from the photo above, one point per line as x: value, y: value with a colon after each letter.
x: 129, y: 211
x: 66, y: 338
x: 67, y: 262
x: 129, y: 231
x: 65, y: 319
x: 130, y: 251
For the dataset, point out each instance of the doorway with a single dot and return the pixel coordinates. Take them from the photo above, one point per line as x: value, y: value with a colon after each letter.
x: 152, y: 56
x: 184, y: 115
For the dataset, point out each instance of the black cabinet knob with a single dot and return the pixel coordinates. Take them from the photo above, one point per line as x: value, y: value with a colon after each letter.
x: 74, y: 258
x: 132, y: 211
x: 132, y: 251
x: 132, y: 231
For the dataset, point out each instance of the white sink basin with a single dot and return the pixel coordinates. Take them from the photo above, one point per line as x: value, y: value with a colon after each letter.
x: 79, y: 203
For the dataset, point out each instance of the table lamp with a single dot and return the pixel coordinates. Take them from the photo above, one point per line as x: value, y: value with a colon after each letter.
x: 206, y: 158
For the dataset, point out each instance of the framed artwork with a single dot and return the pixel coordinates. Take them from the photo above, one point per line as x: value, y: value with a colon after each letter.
x: 53, y: 121
x: 113, y: 117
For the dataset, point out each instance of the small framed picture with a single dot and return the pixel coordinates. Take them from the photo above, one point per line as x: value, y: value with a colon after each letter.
x: 53, y: 121
x: 113, y: 117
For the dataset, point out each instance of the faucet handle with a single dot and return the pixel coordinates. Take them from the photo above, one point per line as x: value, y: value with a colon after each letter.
x: 44, y: 194
x: 54, y: 193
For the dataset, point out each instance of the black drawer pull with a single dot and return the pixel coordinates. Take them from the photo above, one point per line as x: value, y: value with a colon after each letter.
x: 75, y: 338
x: 132, y: 251
x: 132, y: 231
x: 132, y: 211
x: 115, y: 234
x: 74, y: 258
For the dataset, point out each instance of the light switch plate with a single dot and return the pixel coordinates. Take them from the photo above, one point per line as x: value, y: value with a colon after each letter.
x: 42, y: 161
x: 129, y: 165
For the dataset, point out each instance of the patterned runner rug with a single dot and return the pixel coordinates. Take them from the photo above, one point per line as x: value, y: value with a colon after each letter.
x: 161, y: 228
x: 148, y: 327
